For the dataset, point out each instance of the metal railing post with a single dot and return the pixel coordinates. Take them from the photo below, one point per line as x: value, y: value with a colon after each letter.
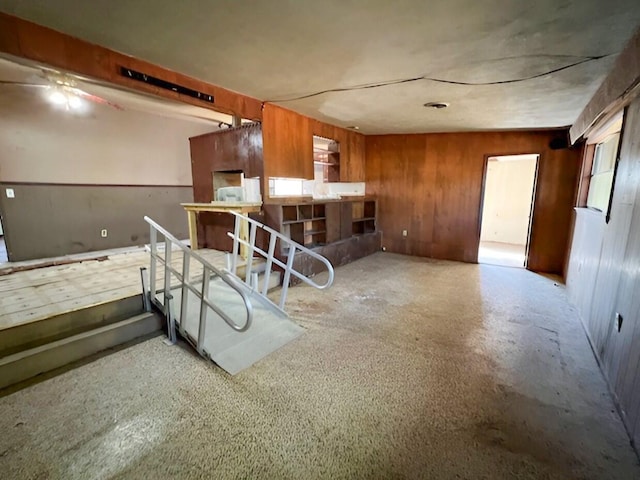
x: 185, y: 292
x: 183, y: 276
x: 269, y: 265
x: 171, y: 322
x: 236, y: 245
x: 146, y: 302
x: 167, y: 269
x: 287, y: 275
x: 153, y: 245
x: 249, y: 264
x: 202, y: 325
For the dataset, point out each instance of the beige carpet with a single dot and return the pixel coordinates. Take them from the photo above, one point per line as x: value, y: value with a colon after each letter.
x: 409, y: 368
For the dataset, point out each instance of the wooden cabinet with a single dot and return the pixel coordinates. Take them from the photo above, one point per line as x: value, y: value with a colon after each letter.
x: 340, y: 230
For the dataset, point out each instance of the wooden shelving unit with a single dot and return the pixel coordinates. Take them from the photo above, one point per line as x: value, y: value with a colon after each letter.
x: 340, y: 230
x: 305, y: 223
x: 317, y: 224
x: 363, y: 217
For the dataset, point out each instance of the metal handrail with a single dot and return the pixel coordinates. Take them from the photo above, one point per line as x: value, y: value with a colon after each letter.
x: 183, y: 277
x: 274, y: 236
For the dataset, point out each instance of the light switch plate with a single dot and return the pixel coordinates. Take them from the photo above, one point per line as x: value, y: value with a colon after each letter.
x: 11, y: 193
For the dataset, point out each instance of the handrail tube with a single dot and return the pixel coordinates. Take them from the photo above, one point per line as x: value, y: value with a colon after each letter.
x: 302, y: 248
x: 225, y: 276
x: 274, y: 236
x: 295, y: 273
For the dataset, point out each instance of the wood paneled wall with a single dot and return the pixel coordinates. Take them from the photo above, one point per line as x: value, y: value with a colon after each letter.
x: 604, y: 278
x: 28, y: 40
x: 288, y: 145
x: 233, y: 149
x: 431, y: 185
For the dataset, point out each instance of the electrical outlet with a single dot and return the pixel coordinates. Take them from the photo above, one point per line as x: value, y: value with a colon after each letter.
x: 103, y: 233
x: 404, y: 233
x: 11, y: 193
x: 619, y: 321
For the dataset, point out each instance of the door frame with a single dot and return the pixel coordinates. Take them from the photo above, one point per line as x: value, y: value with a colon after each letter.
x: 533, y: 200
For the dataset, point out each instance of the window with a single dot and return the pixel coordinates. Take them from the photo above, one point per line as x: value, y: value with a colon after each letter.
x: 601, y: 182
x: 599, y: 165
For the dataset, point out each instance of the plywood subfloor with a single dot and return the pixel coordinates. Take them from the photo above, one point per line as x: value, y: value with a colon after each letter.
x: 31, y: 295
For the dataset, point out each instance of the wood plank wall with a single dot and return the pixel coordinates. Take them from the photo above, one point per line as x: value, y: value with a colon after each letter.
x: 288, y: 145
x: 25, y: 39
x: 431, y: 186
x: 232, y: 149
x: 604, y: 278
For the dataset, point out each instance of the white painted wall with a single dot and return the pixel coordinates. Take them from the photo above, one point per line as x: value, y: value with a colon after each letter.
x: 507, y: 200
x: 42, y: 143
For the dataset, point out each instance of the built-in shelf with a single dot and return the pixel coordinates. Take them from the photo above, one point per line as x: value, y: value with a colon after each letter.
x: 341, y: 230
x: 323, y: 223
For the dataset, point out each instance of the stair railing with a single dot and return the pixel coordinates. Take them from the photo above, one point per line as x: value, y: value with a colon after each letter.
x: 287, y: 245
x: 200, y: 291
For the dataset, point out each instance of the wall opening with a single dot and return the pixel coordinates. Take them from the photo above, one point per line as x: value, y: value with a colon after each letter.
x: 507, y: 209
x: 4, y: 256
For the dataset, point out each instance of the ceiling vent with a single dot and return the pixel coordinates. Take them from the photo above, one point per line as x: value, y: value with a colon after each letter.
x: 158, y: 82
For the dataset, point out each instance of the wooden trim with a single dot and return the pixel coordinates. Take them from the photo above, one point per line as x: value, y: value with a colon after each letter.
x: 620, y: 87
x: 585, y: 175
x: 25, y: 39
x: 54, y: 184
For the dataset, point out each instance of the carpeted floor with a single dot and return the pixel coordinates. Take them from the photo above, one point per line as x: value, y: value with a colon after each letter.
x: 409, y: 368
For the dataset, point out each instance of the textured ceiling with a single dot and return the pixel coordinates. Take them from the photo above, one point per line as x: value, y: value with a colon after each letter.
x: 279, y: 49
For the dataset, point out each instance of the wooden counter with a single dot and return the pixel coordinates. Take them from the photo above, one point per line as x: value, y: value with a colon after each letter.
x: 193, y: 209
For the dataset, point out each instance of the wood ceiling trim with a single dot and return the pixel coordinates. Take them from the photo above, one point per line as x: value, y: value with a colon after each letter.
x: 28, y: 40
x: 617, y: 90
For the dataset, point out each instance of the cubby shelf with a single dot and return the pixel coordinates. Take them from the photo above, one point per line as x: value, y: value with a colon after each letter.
x: 323, y: 223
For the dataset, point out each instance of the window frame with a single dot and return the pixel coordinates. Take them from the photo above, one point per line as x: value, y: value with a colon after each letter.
x: 615, y: 125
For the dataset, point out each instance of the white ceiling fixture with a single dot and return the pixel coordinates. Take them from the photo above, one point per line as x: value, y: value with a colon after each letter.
x: 504, y: 64
x: 69, y: 90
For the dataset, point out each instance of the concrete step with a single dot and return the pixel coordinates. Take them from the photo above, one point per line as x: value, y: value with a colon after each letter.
x: 30, y: 335
x: 28, y: 363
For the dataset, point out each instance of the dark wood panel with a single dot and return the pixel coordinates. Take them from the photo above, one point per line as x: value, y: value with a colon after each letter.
x: 288, y: 145
x: 232, y: 149
x: 346, y: 227
x: 333, y: 223
x: 431, y: 186
x: 28, y: 40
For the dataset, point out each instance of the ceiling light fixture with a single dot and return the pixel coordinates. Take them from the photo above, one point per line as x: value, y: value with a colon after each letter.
x: 353, y: 127
x: 74, y: 102
x: 436, y: 105
x: 64, y: 97
x: 57, y: 97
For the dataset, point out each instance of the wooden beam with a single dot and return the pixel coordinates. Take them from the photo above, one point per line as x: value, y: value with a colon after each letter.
x: 28, y: 40
x: 618, y: 90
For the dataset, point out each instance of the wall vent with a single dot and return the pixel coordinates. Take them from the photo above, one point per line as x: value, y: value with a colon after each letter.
x: 158, y: 82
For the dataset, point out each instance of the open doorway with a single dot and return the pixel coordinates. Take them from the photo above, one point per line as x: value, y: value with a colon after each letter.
x: 507, y: 209
x: 4, y: 257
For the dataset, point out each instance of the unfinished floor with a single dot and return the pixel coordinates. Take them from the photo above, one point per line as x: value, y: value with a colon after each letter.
x: 409, y: 368
x: 79, y: 281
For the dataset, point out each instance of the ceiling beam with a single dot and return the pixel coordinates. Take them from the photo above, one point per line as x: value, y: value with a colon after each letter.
x: 617, y: 90
x: 28, y: 40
